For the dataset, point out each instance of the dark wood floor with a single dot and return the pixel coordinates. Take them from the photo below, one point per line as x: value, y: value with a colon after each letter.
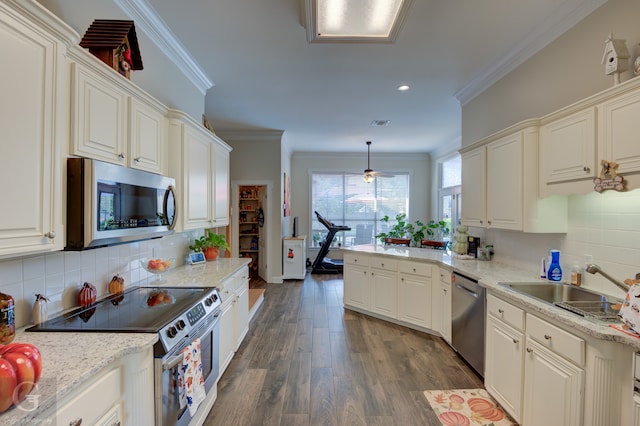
x: 308, y: 361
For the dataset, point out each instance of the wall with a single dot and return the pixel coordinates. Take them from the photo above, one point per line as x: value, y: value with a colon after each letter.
x: 303, y: 164
x: 606, y: 225
x: 257, y: 158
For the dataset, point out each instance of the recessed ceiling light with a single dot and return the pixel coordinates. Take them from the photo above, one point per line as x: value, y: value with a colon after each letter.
x: 403, y: 88
x: 368, y: 21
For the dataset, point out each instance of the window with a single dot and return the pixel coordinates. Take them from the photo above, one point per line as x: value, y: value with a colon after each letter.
x: 345, y: 199
x: 449, y: 187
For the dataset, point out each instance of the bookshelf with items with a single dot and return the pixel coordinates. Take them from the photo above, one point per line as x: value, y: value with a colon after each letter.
x: 251, y: 218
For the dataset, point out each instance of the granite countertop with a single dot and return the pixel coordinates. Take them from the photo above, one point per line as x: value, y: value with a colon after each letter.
x: 70, y: 360
x: 490, y: 273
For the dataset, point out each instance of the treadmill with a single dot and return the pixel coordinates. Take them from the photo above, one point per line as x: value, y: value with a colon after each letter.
x: 323, y: 264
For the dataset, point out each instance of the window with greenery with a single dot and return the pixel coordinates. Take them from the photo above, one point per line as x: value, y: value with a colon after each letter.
x: 449, y: 188
x: 345, y: 199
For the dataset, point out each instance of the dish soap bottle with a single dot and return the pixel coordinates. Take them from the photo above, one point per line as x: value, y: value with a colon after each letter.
x: 554, y: 272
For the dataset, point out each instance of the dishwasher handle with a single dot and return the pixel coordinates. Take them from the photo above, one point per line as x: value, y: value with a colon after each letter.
x: 473, y: 293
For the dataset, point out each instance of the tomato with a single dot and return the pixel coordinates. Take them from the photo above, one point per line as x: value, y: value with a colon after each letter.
x: 20, y: 369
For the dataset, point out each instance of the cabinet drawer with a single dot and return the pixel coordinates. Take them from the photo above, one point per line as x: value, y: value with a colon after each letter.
x: 356, y: 259
x: 559, y: 341
x: 415, y: 268
x: 506, y: 312
x: 93, y: 402
x: 445, y: 276
x: 384, y: 263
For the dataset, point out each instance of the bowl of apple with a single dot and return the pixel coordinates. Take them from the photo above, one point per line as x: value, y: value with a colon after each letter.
x: 157, y: 266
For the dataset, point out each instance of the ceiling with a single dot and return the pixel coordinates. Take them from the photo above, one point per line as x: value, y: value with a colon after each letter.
x: 325, y: 96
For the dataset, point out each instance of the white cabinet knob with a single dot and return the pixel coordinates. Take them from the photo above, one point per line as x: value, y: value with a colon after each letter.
x: 121, y: 156
x: 51, y: 235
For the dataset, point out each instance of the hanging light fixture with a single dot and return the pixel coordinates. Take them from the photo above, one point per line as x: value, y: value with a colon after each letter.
x: 369, y: 175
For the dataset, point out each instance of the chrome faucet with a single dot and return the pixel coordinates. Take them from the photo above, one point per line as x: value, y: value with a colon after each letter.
x: 593, y: 269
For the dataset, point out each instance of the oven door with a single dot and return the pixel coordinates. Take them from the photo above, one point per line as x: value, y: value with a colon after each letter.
x: 167, y: 399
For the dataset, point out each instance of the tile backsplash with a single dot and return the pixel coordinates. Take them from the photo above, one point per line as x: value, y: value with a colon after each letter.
x: 605, y: 226
x: 60, y: 275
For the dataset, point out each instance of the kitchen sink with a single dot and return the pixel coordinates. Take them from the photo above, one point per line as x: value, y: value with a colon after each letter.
x: 580, y: 301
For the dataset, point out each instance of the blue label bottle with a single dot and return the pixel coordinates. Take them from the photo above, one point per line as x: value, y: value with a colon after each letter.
x: 554, y: 272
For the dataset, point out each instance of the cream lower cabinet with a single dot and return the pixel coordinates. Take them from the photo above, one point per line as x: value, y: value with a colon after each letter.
x: 34, y: 127
x: 356, y: 281
x: 443, y: 301
x: 234, y: 316
x: 415, y: 293
x: 383, y: 286
x: 545, y: 374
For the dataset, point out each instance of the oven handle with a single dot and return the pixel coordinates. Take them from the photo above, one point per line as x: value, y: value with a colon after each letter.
x: 172, y: 362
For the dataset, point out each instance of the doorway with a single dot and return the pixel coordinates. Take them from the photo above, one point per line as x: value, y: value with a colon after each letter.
x: 250, y: 227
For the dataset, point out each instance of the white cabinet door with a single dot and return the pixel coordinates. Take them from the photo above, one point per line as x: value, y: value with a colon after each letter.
x: 99, y: 110
x: 474, y: 201
x: 445, y: 313
x: 227, y: 335
x: 553, y: 388
x: 197, y: 180
x: 384, y: 292
x: 356, y: 286
x: 504, y: 365
x: 618, y: 132
x: 414, y: 299
x: 504, y: 183
x: 242, y: 312
x: 147, y: 136
x: 568, y: 148
x: 31, y: 116
x: 221, y: 184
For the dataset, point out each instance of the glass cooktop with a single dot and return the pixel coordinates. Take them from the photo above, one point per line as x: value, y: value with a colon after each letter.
x: 137, y: 310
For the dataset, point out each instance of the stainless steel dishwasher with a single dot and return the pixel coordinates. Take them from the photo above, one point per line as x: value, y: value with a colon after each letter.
x: 467, y: 320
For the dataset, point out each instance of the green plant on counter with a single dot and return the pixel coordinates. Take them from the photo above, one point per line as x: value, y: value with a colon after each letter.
x: 398, y: 230
x: 209, y: 240
x: 437, y: 230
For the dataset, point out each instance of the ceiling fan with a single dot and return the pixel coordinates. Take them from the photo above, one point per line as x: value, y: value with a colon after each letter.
x: 369, y: 174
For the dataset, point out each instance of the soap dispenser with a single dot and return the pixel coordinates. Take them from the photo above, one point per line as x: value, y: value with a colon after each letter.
x: 554, y: 272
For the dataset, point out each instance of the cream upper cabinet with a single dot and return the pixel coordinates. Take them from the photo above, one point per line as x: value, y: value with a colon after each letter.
x: 114, y: 121
x: 99, y: 109
x: 195, y: 155
x: 618, y: 139
x: 34, y: 129
x: 504, y: 182
x: 500, y: 174
x: 568, y: 148
x: 474, y: 200
x: 221, y: 183
x: 147, y: 137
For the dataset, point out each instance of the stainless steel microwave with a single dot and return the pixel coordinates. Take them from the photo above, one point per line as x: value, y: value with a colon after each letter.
x: 109, y: 204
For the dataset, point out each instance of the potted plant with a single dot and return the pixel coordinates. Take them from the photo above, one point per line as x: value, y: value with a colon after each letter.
x: 399, y: 233
x: 210, y: 244
x: 436, y: 231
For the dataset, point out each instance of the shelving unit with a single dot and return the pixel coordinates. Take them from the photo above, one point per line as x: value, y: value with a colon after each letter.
x: 250, y: 231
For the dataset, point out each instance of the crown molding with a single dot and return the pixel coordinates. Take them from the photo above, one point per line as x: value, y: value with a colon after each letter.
x: 251, y: 135
x: 157, y: 30
x: 568, y: 15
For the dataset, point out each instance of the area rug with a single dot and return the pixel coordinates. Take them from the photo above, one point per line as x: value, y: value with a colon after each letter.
x: 467, y: 407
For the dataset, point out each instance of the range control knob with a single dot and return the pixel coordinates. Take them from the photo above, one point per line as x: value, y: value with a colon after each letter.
x: 180, y: 325
x: 208, y: 301
x: 172, y: 332
x: 215, y: 297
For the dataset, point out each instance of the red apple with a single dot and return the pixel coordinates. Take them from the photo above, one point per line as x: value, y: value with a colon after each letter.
x: 8, y: 382
x: 25, y: 374
x: 30, y: 351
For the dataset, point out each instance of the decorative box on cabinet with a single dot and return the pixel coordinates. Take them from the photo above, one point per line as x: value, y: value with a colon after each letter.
x: 34, y: 128
x: 293, y: 258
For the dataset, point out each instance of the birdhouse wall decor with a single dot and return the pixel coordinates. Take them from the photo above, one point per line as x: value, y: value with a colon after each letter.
x: 115, y: 43
x: 615, y: 57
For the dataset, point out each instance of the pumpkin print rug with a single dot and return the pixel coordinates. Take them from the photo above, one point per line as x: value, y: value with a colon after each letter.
x: 467, y: 407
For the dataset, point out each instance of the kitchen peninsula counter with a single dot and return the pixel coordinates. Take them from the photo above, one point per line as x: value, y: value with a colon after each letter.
x: 489, y: 274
